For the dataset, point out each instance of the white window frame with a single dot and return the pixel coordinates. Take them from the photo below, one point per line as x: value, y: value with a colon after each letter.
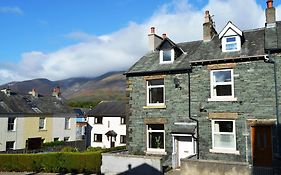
x: 123, y: 138
x: 161, y: 56
x: 122, y: 120
x: 96, y: 120
x: 222, y: 149
x: 44, y: 123
x: 237, y: 42
x: 96, y: 136
x: 67, y: 123
x: 13, y: 148
x: 13, y: 124
x: 148, y: 87
x: 213, y: 84
x: 154, y: 150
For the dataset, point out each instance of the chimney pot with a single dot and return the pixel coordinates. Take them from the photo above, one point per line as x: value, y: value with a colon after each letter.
x: 269, y: 3
x: 152, y: 30
x: 207, y: 13
x: 164, y: 35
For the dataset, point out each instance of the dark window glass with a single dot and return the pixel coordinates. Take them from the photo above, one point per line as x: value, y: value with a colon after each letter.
x: 223, y: 90
x: 224, y: 126
x: 167, y: 55
x: 11, y: 123
x: 156, y: 95
x: 156, y: 82
x: 98, y: 120
x: 156, y: 140
x: 98, y: 137
x: 232, y: 39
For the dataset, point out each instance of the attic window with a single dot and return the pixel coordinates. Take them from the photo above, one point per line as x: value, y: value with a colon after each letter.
x: 231, y: 38
x: 167, y: 56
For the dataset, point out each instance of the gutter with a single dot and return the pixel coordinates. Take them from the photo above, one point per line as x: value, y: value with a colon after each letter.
x: 169, y: 71
x: 193, y: 119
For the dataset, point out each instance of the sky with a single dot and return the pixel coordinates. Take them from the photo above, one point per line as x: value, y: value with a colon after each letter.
x: 87, y: 38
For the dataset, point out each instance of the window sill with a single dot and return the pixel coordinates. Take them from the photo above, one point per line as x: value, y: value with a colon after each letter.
x: 166, y: 62
x: 11, y: 130
x: 155, y: 107
x: 222, y: 99
x: 97, y: 141
x: 150, y: 152
x: 43, y: 130
x: 225, y: 151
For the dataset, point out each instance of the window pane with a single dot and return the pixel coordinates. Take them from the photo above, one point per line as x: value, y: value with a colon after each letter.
x: 156, y: 82
x: 222, y: 76
x: 156, y: 127
x: 156, y: 95
x: 156, y: 140
x: 167, y: 55
x: 223, y: 126
x: 232, y: 39
x: 223, y: 90
x: 232, y: 46
x: 224, y: 141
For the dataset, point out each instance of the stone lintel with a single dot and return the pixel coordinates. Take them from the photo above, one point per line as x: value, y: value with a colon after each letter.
x: 261, y: 122
x: 221, y: 66
x: 158, y: 120
x: 223, y: 115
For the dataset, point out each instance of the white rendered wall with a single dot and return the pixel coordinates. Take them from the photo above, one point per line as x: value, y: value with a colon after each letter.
x: 15, y: 135
x: 59, y: 131
x: 108, y: 123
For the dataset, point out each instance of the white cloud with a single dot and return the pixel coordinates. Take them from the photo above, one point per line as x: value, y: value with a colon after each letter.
x: 13, y: 10
x: 95, y: 55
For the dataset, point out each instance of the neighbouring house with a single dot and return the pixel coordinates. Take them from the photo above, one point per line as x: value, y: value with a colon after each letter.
x: 81, y: 124
x: 107, y: 122
x: 28, y: 120
x: 213, y: 99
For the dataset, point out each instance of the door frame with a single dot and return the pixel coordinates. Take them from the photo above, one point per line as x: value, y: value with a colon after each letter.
x: 175, y: 155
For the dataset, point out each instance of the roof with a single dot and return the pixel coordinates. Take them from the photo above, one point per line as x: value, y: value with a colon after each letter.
x: 27, y: 104
x: 109, y: 109
x: 253, y: 45
x: 111, y: 133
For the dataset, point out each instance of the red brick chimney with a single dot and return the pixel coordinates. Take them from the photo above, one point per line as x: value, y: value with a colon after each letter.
x: 56, y: 92
x: 153, y: 39
x: 209, y: 30
x: 270, y: 14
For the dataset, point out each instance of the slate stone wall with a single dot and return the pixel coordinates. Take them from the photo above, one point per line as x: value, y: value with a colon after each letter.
x: 253, y: 88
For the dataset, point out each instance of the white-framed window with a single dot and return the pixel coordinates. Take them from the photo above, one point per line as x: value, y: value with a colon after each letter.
x: 42, y: 123
x: 123, y: 121
x: 56, y: 139
x: 155, y: 138
x: 223, y: 136
x: 222, y: 85
x: 11, y: 123
x: 231, y: 43
x: 122, y: 138
x: 10, y: 145
x: 167, y: 56
x: 155, y: 92
x: 66, y: 139
x: 67, y: 123
x: 97, y: 137
x: 98, y: 120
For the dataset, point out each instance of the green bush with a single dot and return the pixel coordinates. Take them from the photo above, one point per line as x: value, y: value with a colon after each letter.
x: 52, y: 162
x: 69, y: 149
x: 94, y: 149
x: 51, y: 144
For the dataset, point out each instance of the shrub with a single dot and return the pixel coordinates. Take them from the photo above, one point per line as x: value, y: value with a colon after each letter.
x: 52, y: 162
x: 52, y: 144
x: 94, y: 149
x: 69, y: 149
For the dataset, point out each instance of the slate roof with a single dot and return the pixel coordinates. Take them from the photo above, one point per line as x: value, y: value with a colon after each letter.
x: 109, y: 109
x: 253, y: 45
x: 27, y: 104
x: 185, y: 129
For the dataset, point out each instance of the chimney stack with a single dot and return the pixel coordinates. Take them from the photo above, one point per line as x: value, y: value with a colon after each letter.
x: 33, y: 93
x: 270, y: 14
x: 164, y: 35
x: 153, y: 39
x: 209, y: 30
x: 56, y: 92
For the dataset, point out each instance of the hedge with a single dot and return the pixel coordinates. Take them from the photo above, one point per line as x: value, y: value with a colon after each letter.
x: 86, y: 162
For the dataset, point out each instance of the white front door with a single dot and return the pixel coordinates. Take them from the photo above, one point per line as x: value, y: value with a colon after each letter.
x: 185, y: 147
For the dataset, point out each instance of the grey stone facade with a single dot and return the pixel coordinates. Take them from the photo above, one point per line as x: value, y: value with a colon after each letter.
x: 253, y: 88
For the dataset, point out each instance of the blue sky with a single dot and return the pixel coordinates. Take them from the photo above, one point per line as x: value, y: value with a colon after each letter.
x: 70, y: 38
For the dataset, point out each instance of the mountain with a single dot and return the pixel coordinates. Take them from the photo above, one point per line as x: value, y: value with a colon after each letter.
x: 110, y: 86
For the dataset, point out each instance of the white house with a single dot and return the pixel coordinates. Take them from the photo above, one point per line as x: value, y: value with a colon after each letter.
x: 107, y: 123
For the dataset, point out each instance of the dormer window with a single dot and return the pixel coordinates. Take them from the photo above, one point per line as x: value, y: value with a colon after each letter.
x: 231, y: 38
x: 167, y: 56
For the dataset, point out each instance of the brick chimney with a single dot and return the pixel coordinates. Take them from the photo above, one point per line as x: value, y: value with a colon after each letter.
x: 153, y: 39
x: 270, y: 14
x: 33, y: 93
x: 209, y: 30
x: 56, y: 92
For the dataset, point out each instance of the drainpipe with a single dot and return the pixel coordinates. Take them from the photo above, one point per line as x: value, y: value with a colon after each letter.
x: 193, y: 119
x: 270, y: 60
